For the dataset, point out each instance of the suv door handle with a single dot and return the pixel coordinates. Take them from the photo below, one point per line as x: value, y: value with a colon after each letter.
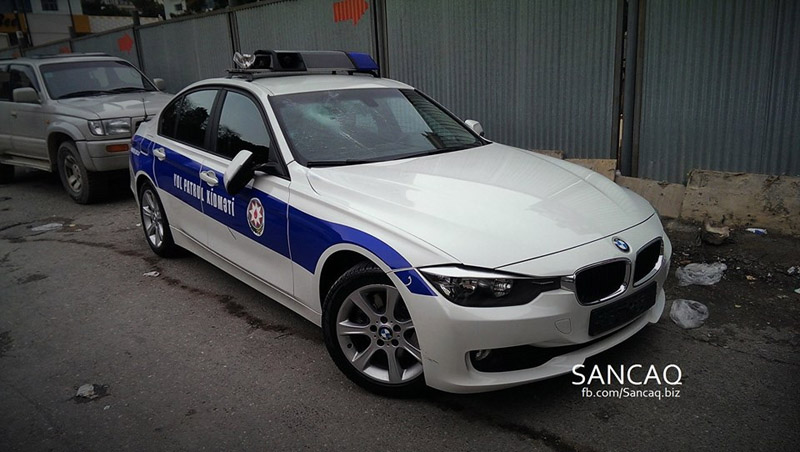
x: 210, y: 177
x: 13, y: 114
x: 160, y: 153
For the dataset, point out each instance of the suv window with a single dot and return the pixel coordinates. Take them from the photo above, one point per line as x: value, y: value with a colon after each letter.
x: 193, y: 112
x: 241, y: 127
x: 22, y: 77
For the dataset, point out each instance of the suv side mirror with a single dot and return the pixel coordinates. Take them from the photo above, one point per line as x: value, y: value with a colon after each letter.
x: 240, y: 172
x: 26, y: 95
x: 475, y: 126
x: 161, y: 85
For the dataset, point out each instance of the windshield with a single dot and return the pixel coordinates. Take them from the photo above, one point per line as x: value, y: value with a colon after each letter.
x: 93, y: 78
x: 342, y: 127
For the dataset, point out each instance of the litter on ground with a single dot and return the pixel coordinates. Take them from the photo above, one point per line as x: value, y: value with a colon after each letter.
x: 700, y: 274
x: 688, y: 314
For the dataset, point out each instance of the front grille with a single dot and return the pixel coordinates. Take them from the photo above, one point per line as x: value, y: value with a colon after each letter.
x: 646, y: 260
x: 596, y: 283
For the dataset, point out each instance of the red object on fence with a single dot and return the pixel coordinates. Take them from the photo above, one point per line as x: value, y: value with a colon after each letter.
x: 349, y: 9
x: 125, y: 43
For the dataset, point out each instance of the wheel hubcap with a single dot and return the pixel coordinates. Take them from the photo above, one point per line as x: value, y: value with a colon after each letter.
x: 377, y: 336
x: 73, y: 173
x: 151, y: 219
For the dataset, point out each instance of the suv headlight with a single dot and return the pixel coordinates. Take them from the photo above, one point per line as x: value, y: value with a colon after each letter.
x: 119, y: 126
x: 485, y: 288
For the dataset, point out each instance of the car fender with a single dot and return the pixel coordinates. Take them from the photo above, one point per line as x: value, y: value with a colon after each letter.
x: 62, y: 127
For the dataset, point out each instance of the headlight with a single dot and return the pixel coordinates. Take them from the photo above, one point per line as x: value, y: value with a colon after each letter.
x: 481, y: 288
x: 119, y: 126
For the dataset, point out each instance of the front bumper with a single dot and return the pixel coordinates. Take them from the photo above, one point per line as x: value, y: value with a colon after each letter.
x: 448, y: 333
x: 96, y: 157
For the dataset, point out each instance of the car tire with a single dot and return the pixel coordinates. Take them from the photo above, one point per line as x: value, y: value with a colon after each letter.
x: 83, y: 186
x: 375, y: 347
x: 154, y: 222
x: 6, y: 173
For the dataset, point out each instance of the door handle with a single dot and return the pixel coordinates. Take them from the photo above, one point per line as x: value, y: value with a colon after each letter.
x: 160, y: 153
x: 210, y: 177
x: 13, y: 114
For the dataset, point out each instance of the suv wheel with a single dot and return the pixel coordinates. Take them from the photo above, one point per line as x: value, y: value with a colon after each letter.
x: 154, y: 222
x: 6, y: 173
x: 82, y: 185
x: 369, y: 333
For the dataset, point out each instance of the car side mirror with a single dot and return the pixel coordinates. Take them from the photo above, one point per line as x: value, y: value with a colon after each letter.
x: 475, y: 126
x: 239, y: 172
x: 161, y: 85
x: 26, y: 96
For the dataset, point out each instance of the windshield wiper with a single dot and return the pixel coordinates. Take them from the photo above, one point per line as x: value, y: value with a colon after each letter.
x: 93, y: 92
x: 320, y: 163
x: 128, y: 89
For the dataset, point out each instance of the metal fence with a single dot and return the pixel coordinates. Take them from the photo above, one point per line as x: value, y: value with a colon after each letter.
x: 308, y: 25
x: 537, y: 74
x: 182, y: 52
x: 119, y: 43
x: 717, y: 85
x: 720, y: 88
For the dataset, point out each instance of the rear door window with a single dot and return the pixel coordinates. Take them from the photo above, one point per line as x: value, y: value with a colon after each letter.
x: 193, y: 113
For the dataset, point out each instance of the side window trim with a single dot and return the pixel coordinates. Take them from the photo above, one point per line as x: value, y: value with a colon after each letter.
x: 273, y: 143
x: 4, y: 70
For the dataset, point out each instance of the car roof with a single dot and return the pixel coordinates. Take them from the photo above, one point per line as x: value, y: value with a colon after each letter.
x: 290, y: 84
x: 71, y: 57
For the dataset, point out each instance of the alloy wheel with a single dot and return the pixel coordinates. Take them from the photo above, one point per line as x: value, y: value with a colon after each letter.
x: 377, y: 336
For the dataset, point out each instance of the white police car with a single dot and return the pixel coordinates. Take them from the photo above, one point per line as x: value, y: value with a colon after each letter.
x: 427, y: 253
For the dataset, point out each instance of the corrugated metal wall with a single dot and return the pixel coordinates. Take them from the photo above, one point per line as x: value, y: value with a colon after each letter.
x: 185, y: 51
x: 719, y: 79
x: 49, y: 49
x: 9, y: 52
x: 720, y: 84
x: 110, y: 43
x: 302, y: 25
x: 537, y: 74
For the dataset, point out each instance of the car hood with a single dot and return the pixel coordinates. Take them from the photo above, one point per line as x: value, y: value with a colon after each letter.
x: 117, y: 105
x: 488, y: 206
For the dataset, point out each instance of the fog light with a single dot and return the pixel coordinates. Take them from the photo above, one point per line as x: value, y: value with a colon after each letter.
x: 480, y: 354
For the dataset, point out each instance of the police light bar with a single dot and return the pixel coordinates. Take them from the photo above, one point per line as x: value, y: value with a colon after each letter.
x: 314, y: 61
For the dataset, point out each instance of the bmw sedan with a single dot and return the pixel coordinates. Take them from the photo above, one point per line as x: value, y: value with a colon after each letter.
x: 428, y: 254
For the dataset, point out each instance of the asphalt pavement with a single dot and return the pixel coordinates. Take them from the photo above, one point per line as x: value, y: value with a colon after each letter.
x: 193, y: 359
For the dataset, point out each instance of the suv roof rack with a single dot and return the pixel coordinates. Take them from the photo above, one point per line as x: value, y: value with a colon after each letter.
x: 272, y: 63
x: 67, y: 55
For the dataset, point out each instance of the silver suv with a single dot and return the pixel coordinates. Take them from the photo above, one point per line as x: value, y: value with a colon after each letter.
x: 73, y: 114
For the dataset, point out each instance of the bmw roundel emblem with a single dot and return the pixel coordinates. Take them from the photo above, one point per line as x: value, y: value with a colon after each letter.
x: 385, y: 333
x: 621, y: 244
